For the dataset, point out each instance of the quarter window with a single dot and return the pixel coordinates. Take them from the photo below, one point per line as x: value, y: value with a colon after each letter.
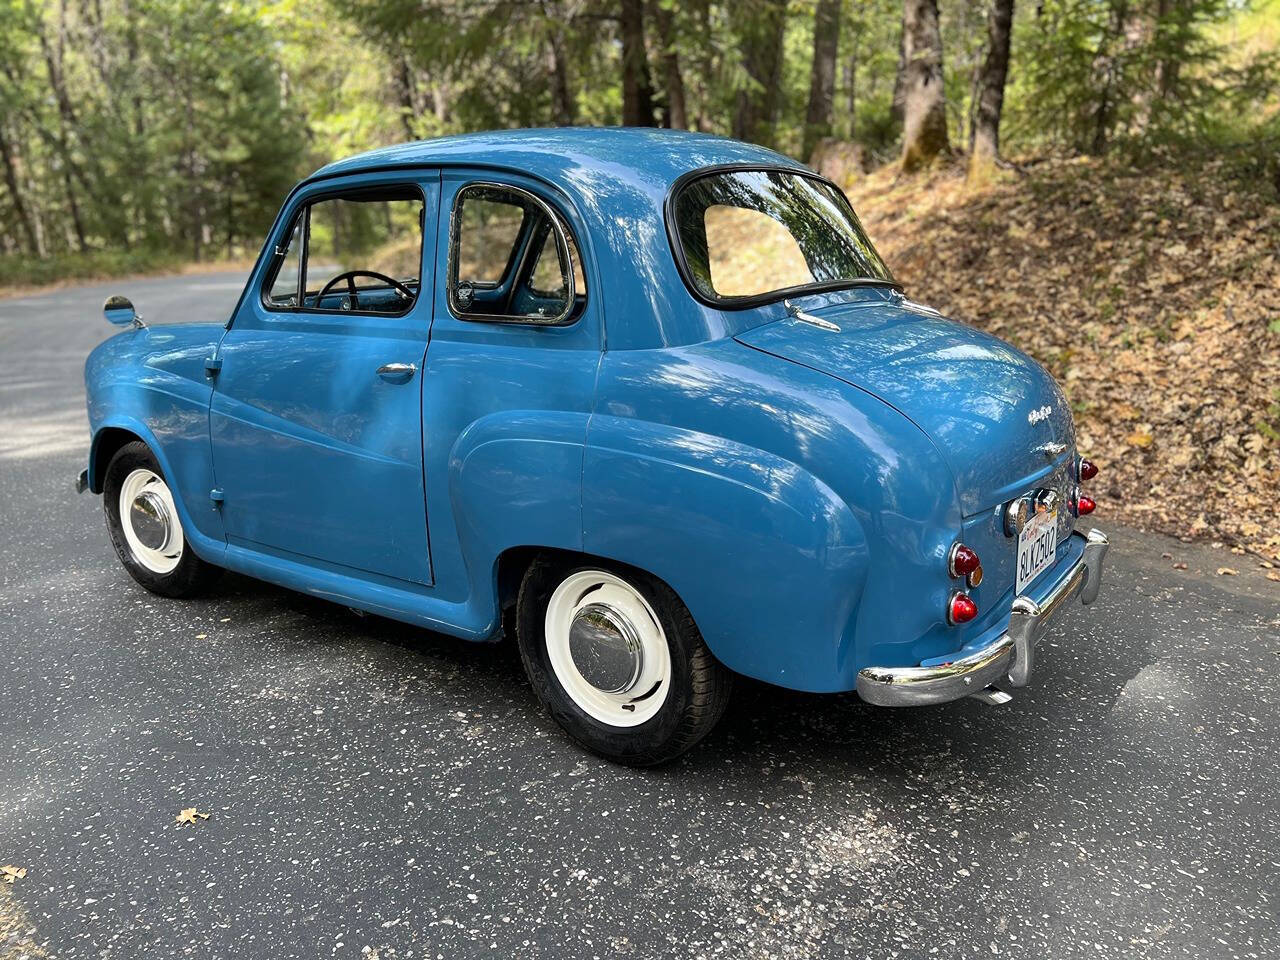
x: 512, y: 259
x: 284, y: 291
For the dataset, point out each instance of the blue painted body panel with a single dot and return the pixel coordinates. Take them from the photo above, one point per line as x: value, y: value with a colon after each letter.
x: 799, y: 488
x: 317, y: 456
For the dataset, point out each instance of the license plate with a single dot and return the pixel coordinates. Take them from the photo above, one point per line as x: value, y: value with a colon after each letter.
x: 1037, y: 546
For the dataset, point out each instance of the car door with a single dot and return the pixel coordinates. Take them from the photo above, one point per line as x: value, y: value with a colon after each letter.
x: 316, y: 416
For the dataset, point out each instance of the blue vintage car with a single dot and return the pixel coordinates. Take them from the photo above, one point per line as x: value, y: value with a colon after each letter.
x: 651, y: 398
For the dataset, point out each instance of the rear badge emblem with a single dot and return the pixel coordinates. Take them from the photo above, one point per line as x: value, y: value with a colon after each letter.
x: 1038, y: 414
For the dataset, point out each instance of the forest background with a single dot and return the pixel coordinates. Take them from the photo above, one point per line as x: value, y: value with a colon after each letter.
x: 1094, y: 180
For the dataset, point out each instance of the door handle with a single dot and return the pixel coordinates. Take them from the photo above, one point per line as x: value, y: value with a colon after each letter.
x: 397, y: 372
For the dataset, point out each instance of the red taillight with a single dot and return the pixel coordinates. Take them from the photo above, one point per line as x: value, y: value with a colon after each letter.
x: 1085, y: 505
x: 962, y: 561
x: 1086, y: 470
x: 961, y: 609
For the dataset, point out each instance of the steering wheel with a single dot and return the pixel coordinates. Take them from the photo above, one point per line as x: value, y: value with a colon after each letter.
x: 350, y: 277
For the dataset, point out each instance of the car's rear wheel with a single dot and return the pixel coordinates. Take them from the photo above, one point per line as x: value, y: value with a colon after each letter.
x: 145, y: 529
x: 615, y: 657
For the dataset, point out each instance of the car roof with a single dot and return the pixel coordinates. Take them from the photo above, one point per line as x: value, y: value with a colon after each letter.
x: 616, y: 180
x: 560, y: 155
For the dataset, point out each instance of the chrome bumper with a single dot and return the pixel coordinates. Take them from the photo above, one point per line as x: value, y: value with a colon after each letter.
x: 1005, y: 662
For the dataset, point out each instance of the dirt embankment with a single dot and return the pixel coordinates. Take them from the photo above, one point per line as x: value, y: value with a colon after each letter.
x: 1152, y: 294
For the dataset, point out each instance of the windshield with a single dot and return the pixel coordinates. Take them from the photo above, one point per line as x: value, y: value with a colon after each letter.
x: 751, y: 235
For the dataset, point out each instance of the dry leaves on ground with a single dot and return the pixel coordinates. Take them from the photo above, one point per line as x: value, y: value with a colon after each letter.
x: 1152, y: 295
x: 12, y: 873
x: 190, y: 815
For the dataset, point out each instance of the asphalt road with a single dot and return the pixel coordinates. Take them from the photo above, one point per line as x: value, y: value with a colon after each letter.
x: 376, y: 791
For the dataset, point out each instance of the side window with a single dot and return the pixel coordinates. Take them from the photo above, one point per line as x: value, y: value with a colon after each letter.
x: 489, y: 226
x: 358, y: 253
x: 548, y: 271
x: 511, y: 258
x: 284, y: 289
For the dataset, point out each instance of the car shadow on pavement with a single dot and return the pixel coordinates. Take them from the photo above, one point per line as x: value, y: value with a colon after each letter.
x: 830, y: 737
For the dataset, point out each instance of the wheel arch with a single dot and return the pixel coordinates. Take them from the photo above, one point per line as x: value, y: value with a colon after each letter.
x: 117, y: 432
x: 514, y: 562
x: 770, y: 561
x: 106, y: 444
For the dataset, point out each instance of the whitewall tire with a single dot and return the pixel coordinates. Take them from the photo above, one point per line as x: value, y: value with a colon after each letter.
x: 615, y: 657
x: 146, y: 527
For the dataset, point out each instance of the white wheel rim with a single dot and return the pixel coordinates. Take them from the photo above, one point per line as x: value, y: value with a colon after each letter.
x: 149, y: 519
x: 617, y: 640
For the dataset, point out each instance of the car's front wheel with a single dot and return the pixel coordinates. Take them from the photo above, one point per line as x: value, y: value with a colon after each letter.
x: 616, y: 658
x: 142, y: 519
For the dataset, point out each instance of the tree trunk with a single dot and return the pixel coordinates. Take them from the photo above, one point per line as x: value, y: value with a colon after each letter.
x: 637, y: 88
x: 984, y: 143
x: 563, y: 105
x: 756, y: 111
x: 672, y: 77
x: 1106, y: 68
x: 1173, y: 29
x: 822, y: 75
x: 899, y: 81
x: 924, y: 134
x: 705, y: 64
x: 851, y: 82
x: 405, y: 94
x: 15, y: 194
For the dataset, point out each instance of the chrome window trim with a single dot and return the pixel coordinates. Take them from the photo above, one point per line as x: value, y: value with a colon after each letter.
x: 562, y: 244
x: 301, y: 209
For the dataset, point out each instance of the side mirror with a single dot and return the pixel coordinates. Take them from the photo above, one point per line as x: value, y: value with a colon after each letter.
x: 119, y: 310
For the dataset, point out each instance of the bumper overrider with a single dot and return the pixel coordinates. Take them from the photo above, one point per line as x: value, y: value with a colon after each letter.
x: 1005, y: 662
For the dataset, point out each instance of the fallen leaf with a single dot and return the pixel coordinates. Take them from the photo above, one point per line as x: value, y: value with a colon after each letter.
x: 1274, y: 576
x: 1227, y: 572
x: 202, y: 636
x: 1139, y: 439
x: 189, y: 815
x: 12, y: 873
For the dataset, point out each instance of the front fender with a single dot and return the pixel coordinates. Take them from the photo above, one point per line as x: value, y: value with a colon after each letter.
x: 770, y: 560
x: 152, y: 384
x: 201, y: 523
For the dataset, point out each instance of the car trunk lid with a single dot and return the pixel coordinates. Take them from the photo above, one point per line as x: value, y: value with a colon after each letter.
x: 997, y: 417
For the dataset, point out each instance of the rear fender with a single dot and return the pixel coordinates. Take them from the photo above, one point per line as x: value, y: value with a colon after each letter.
x: 769, y: 560
x: 515, y: 479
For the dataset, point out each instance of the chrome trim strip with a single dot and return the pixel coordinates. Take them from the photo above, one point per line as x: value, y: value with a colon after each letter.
x: 804, y: 317
x: 1006, y: 661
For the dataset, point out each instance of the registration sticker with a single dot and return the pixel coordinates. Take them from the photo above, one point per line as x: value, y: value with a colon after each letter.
x: 1037, y: 547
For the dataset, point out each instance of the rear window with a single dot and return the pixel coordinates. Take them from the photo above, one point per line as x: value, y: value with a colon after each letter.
x: 751, y: 235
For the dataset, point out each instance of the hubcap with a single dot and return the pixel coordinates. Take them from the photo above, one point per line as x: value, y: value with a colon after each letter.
x: 149, y: 520
x: 607, y: 649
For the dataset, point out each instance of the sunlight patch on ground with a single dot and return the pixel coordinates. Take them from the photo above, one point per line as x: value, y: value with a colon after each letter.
x: 32, y: 437
x: 17, y: 932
